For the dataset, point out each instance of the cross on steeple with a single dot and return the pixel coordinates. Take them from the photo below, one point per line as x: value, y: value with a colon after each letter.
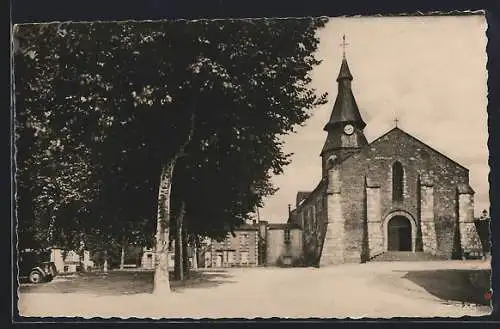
x: 396, y: 121
x: 343, y: 44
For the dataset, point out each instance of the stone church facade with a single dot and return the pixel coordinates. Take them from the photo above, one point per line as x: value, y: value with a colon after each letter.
x: 393, y: 194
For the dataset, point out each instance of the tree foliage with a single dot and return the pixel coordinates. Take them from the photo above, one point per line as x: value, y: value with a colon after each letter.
x: 100, y: 107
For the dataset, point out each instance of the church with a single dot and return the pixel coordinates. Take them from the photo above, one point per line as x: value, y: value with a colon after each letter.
x: 395, y: 194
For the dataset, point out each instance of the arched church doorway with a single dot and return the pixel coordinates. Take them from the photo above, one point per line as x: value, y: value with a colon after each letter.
x: 399, y: 234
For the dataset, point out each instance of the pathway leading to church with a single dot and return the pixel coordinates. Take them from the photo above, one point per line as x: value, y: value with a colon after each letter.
x: 359, y: 290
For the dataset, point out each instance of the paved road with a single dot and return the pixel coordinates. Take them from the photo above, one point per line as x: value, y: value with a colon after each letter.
x: 376, y: 290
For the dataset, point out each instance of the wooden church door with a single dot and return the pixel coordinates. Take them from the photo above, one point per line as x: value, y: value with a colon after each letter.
x: 399, y: 234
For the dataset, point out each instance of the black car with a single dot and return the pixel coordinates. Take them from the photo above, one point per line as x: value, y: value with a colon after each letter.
x: 33, y: 267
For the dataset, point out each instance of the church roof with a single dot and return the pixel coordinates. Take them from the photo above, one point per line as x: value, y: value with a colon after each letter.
x: 345, y: 108
x: 301, y: 196
x: 282, y: 226
x: 292, y: 217
x: 320, y: 185
x: 247, y: 227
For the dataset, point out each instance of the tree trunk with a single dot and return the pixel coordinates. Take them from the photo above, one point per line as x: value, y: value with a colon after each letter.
x: 177, y: 257
x: 122, y: 258
x: 105, y: 267
x: 195, y: 257
x: 179, y: 248
x: 161, y: 279
x: 185, y: 254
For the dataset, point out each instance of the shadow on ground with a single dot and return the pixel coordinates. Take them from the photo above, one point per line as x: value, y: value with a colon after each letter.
x: 468, y: 286
x: 123, y: 283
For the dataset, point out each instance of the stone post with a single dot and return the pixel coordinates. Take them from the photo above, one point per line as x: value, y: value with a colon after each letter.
x: 374, y: 219
x: 469, y: 237
x: 333, y: 246
x: 195, y: 257
x: 428, y: 226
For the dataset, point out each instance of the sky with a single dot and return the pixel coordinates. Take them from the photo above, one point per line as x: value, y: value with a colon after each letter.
x: 429, y: 72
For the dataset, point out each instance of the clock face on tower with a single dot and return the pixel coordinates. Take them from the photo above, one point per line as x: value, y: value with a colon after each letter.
x: 348, y: 129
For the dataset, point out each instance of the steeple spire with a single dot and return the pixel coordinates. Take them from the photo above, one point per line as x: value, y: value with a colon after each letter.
x: 345, y: 108
x: 345, y: 127
x: 344, y: 73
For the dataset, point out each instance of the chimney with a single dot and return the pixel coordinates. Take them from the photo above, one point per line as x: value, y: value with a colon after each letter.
x: 289, y: 209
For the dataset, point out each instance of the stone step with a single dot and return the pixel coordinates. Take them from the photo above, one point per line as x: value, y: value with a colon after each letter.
x: 406, y: 256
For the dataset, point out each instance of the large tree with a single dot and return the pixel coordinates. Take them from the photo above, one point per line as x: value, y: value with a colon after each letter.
x: 147, y: 109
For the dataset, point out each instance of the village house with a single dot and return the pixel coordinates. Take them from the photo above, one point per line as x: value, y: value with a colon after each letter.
x: 242, y: 249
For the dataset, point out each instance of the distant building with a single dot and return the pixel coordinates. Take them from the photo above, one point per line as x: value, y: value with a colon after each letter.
x: 242, y: 249
x: 257, y: 244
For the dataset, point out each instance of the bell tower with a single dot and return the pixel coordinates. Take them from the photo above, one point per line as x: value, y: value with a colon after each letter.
x: 345, y: 127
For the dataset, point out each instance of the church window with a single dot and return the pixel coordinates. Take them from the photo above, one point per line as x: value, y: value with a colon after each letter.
x: 397, y: 181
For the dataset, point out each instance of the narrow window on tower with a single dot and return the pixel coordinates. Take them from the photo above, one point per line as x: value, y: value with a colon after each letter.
x: 287, y: 235
x: 397, y: 181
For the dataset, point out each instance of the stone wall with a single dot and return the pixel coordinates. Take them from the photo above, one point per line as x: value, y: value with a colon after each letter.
x: 333, y: 250
x: 374, y: 221
x: 469, y: 237
x: 311, y: 216
x: 427, y: 224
